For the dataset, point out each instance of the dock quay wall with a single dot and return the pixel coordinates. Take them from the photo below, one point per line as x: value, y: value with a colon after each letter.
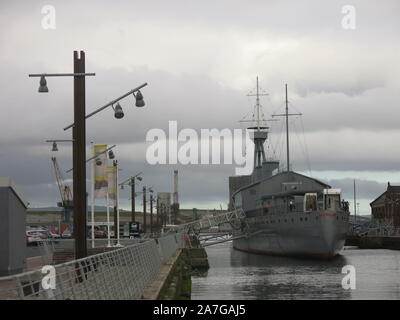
x: 374, y: 242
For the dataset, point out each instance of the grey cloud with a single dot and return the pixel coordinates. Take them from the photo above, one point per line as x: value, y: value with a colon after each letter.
x: 365, y: 189
x: 339, y: 80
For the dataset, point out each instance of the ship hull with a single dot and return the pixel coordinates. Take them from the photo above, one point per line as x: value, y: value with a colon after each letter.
x: 313, y: 235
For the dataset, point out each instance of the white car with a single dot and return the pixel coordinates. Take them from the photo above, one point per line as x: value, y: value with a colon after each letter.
x: 66, y: 234
x: 54, y: 235
x: 34, y: 236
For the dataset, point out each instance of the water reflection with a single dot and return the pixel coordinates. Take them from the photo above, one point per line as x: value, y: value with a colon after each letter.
x: 238, y: 275
x: 272, y: 277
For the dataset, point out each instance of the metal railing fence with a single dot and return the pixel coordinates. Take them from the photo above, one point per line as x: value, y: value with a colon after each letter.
x: 119, y: 274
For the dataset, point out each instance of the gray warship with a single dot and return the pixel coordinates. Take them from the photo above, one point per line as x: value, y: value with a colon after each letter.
x: 287, y: 213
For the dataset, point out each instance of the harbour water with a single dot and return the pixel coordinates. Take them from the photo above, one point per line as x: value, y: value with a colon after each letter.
x: 237, y: 275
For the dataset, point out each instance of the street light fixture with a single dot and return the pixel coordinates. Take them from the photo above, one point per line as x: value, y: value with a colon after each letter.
x: 139, y: 103
x: 139, y: 99
x: 118, y: 113
x: 43, y: 85
x: 98, y: 160
x: 111, y: 154
x: 55, y: 147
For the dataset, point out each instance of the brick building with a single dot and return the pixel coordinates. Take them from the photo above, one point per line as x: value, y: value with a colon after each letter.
x: 387, y: 205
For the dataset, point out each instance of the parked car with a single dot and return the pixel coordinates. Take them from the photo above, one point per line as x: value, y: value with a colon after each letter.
x: 54, y: 235
x: 100, y: 234
x: 34, y: 236
x: 66, y: 234
x: 47, y: 234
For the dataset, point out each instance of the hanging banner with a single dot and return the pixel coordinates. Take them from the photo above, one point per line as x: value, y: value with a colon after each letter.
x: 112, y: 185
x: 100, y: 171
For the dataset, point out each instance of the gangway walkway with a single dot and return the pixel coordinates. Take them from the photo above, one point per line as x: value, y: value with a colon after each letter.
x: 235, y: 218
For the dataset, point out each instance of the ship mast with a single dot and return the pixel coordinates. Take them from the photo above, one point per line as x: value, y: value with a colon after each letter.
x: 262, y: 168
x: 258, y: 107
x: 260, y: 131
x: 287, y: 114
x: 287, y: 131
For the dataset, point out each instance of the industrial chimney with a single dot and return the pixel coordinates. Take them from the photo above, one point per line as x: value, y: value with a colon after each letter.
x: 175, y: 199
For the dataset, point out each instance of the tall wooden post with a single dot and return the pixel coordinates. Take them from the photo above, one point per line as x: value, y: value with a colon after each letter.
x: 355, y: 202
x: 116, y: 227
x: 133, y: 195
x: 158, y: 214
x: 79, y: 158
x: 151, y: 213
x: 144, y: 210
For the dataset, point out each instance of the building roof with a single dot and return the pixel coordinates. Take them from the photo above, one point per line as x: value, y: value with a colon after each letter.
x: 392, y: 188
x: 283, y: 173
x: 6, y: 182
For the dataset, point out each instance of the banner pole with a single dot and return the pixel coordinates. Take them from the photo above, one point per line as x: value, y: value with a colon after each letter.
x: 92, y: 191
x: 108, y: 222
x: 117, y: 200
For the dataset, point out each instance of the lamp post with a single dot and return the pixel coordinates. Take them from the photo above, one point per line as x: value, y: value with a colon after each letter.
x: 65, y: 191
x: 131, y: 181
x: 151, y: 210
x: 144, y: 210
x: 116, y: 208
x: 79, y: 142
x: 133, y: 199
x: 79, y: 179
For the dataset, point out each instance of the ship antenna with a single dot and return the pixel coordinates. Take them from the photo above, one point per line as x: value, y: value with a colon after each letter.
x: 287, y: 130
x: 287, y: 114
x: 258, y: 107
x: 258, y: 120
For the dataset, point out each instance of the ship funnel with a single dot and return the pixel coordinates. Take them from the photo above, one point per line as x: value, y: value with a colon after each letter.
x: 268, y: 167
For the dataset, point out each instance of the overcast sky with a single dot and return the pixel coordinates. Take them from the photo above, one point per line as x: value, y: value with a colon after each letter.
x: 200, y: 59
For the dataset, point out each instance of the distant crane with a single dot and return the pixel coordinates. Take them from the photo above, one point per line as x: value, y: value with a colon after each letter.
x: 65, y: 192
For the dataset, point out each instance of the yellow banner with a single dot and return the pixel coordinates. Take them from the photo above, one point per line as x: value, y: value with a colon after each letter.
x: 100, y: 171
